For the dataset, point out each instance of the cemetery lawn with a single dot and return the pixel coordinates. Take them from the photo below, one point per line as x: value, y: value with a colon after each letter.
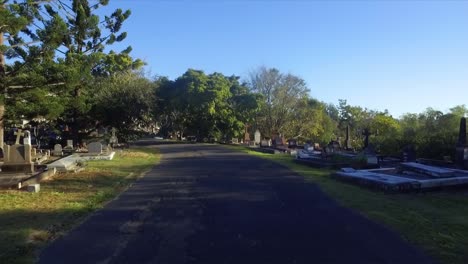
x: 29, y: 221
x: 434, y: 221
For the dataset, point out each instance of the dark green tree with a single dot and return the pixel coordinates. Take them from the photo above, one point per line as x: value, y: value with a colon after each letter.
x: 68, y: 40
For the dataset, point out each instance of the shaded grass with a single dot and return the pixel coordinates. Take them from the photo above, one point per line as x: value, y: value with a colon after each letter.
x: 437, y: 221
x: 29, y: 221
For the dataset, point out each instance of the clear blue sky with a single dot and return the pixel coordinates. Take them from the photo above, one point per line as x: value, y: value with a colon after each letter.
x: 396, y: 55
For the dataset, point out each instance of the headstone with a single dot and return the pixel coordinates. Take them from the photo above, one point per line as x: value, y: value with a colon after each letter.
x: 265, y: 143
x: 462, y: 133
x: 58, y: 150
x: 462, y: 148
x: 235, y: 141
x: 34, y: 152
x: 278, y: 140
x: 27, y: 138
x: 246, y: 134
x: 347, y: 140
x: 292, y: 143
x: 246, y: 137
x: 33, y: 188
x: 95, y: 148
x: 409, y: 153
x: 113, y: 139
x: 257, y: 137
x: 70, y: 143
x: 18, y: 159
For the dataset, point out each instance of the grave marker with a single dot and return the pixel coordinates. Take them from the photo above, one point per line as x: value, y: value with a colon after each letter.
x: 58, y: 150
x: 257, y: 137
x: 95, y: 148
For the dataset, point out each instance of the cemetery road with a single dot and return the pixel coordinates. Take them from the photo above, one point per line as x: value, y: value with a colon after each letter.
x: 207, y: 204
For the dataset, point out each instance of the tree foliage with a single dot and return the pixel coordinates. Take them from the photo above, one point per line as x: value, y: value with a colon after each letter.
x: 57, y: 52
x: 203, y: 105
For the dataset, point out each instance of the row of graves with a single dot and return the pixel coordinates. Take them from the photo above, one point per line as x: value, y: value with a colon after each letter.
x: 335, y: 155
x: 415, y: 174
x: 367, y: 168
x: 24, y: 165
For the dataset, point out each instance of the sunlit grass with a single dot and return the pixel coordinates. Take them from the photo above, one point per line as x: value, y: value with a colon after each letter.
x: 30, y: 220
x: 436, y: 221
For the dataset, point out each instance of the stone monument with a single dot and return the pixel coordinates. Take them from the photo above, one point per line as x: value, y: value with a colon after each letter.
x: 246, y: 134
x: 347, y: 140
x: 18, y: 158
x: 113, y: 139
x: 257, y: 137
x: 462, y: 148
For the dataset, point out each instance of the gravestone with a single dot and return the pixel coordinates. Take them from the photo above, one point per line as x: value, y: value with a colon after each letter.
x: 278, y: 140
x: 18, y: 158
x: 246, y: 134
x: 27, y: 138
x: 246, y: 137
x: 113, y: 139
x: 257, y: 137
x: 409, y: 154
x: 265, y: 143
x: 347, y: 140
x: 18, y: 135
x: 58, y: 150
x: 462, y: 147
x: 235, y: 141
x: 292, y: 143
x: 95, y: 148
x: 69, y: 147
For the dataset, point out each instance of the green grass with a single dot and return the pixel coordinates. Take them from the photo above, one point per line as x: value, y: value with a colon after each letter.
x: 28, y: 221
x: 437, y: 222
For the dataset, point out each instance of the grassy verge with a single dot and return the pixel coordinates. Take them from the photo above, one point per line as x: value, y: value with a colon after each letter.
x: 28, y: 221
x: 435, y: 221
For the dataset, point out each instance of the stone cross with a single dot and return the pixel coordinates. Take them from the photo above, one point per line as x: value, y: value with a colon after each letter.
x: 18, y: 135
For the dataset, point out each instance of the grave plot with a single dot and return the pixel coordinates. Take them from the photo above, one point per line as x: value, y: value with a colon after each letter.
x: 21, y: 163
x: 408, y: 176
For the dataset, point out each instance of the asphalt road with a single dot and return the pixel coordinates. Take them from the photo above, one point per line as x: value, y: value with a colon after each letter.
x: 209, y: 205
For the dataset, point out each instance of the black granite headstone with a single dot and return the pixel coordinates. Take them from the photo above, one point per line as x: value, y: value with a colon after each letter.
x: 462, y: 149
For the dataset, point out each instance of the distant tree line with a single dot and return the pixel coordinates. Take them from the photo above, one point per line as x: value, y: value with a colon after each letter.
x: 57, y: 70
